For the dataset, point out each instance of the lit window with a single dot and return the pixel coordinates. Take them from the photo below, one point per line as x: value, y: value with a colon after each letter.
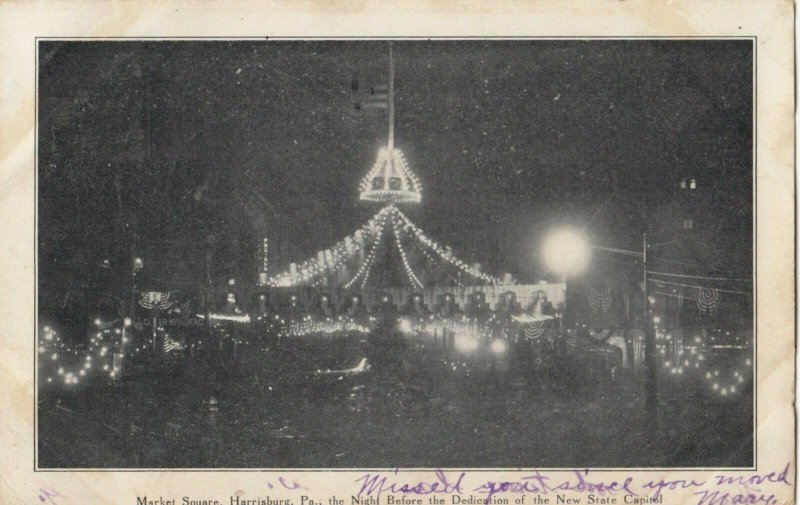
x: 692, y: 184
x: 683, y: 184
x: 688, y: 224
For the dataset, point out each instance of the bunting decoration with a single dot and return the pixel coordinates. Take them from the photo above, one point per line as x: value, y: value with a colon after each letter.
x: 707, y: 300
x: 182, y: 309
x: 707, y: 294
x: 599, y: 300
x: 155, y: 300
x: 535, y: 330
x: 533, y: 326
x: 601, y: 335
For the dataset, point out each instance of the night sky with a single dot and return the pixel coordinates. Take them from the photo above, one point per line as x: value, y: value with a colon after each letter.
x: 507, y: 137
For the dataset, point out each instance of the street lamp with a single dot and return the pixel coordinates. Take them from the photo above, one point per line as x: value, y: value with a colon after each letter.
x: 566, y: 252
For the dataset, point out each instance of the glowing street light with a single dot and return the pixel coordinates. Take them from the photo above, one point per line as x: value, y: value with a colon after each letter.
x: 566, y: 252
x: 405, y: 326
x: 499, y: 346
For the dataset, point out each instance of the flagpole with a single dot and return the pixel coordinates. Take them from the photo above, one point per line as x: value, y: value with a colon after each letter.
x: 391, y: 101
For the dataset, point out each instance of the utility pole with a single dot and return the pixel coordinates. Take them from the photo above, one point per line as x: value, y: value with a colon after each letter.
x: 650, y: 386
x: 207, y: 292
x: 132, y: 269
x: 650, y: 376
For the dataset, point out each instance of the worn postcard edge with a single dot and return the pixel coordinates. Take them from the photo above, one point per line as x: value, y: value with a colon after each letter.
x: 768, y: 23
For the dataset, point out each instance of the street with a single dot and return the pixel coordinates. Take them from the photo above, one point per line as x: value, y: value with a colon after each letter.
x: 421, y: 407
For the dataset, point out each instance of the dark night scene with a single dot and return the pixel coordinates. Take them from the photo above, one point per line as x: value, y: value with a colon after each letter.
x: 395, y: 253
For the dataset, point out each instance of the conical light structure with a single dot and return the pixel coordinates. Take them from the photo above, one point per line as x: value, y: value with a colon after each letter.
x: 390, y: 180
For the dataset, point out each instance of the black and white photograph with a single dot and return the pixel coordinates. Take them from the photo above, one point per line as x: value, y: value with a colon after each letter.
x: 395, y: 253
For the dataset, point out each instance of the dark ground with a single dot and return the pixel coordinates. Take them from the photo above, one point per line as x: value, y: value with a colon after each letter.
x: 418, y: 409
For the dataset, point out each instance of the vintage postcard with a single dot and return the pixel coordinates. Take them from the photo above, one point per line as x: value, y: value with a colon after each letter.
x: 398, y: 253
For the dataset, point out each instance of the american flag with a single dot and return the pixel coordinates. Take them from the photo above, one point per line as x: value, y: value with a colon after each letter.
x: 172, y: 345
x: 375, y: 97
x: 638, y: 353
x: 181, y: 308
x: 572, y: 338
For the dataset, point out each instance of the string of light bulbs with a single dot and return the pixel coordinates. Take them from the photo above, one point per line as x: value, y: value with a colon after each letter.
x: 439, y: 266
x: 447, y: 256
x: 412, y: 277
x: 721, y: 279
x: 367, y: 264
x: 98, y: 348
x: 333, y: 259
x: 702, y: 287
x: 696, y: 359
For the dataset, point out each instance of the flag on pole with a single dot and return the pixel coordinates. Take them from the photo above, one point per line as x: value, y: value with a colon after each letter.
x: 572, y: 338
x: 171, y: 344
x: 374, y: 97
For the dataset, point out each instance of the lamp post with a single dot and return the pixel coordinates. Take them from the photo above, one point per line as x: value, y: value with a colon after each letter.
x: 566, y: 253
x: 650, y: 384
x: 650, y: 390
